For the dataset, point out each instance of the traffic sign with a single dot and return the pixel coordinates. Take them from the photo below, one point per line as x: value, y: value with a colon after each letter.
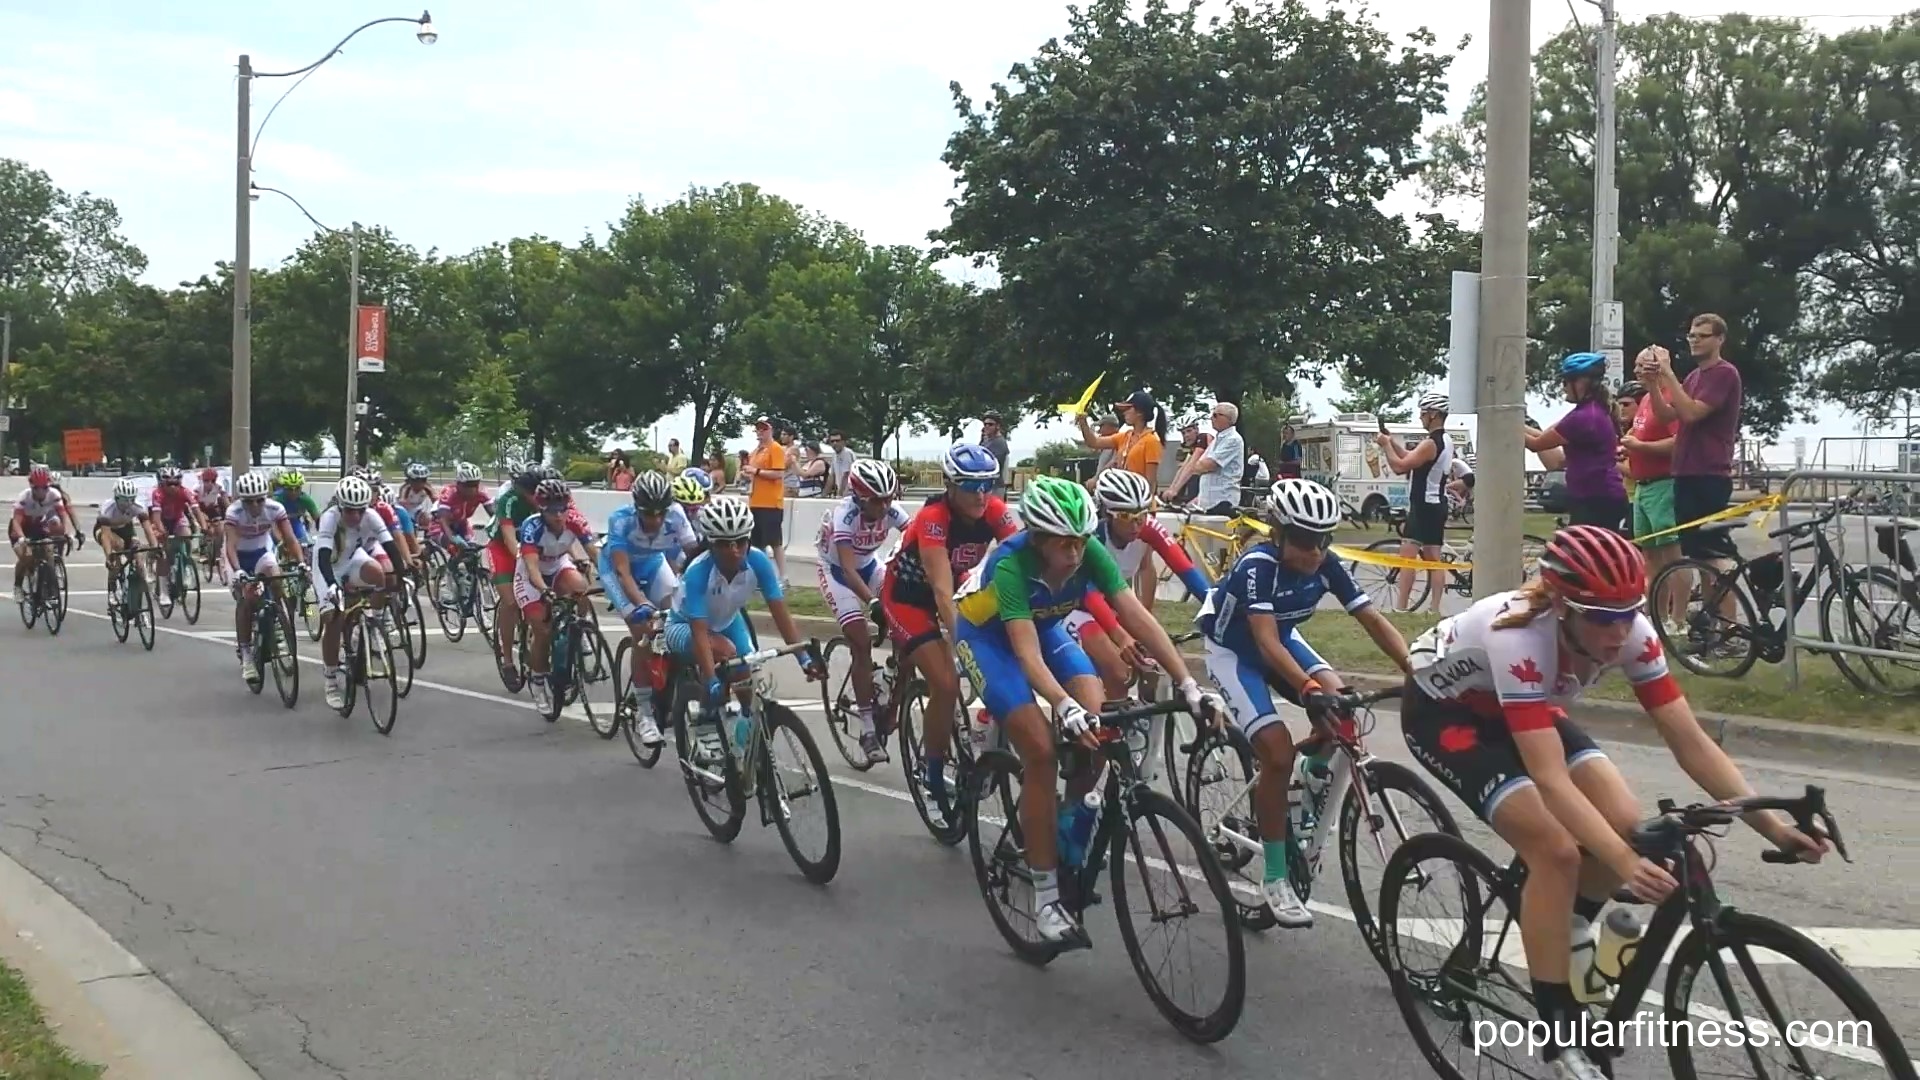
x: 360, y: 408
x: 1613, y: 324
x: 6, y: 422
x: 1616, y: 365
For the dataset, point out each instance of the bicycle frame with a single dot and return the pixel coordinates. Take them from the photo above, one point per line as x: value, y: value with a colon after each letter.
x: 748, y: 759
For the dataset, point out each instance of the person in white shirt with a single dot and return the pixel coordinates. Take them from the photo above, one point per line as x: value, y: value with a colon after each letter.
x: 366, y: 553
x: 1219, y: 468
x: 1257, y: 475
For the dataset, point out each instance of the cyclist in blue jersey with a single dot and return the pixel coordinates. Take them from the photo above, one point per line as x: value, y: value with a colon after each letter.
x: 1251, y: 621
x: 708, y: 623
x: 645, y: 543
x: 1013, y: 643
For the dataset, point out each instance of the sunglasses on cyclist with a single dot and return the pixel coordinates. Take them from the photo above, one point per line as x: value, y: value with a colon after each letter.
x: 1605, y: 616
x: 1127, y: 517
x: 978, y: 487
x: 731, y: 545
x: 1307, y: 539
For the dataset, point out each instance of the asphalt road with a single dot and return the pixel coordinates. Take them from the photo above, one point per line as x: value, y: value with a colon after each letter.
x: 486, y: 895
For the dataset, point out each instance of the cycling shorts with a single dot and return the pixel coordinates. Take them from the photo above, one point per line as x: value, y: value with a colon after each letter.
x: 501, y: 561
x: 525, y: 594
x: 1473, y: 755
x: 123, y: 532
x: 987, y: 657
x: 651, y: 573
x: 679, y: 636
x: 176, y: 525
x: 841, y: 599
x: 1251, y: 693
x: 909, y: 626
x: 351, y: 571
x: 259, y: 562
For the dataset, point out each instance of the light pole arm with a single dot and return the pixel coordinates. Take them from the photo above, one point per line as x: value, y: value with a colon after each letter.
x: 425, y: 19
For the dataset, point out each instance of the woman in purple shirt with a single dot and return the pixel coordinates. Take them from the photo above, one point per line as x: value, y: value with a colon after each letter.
x: 1595, y: 493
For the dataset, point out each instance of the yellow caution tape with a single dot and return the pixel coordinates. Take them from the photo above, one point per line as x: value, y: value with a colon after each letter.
x: 1765, y: 504
x: 1397, y: 562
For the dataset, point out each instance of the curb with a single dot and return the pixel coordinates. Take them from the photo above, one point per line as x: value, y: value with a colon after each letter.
x: 101, y: 1002
x: 1759, y: 737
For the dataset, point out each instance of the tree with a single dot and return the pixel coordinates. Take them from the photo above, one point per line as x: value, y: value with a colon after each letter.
x: 972, y: 363
x: 1389, y: 403
x: 1742, y: 160
x: 67, y: 244
x: 1194, y: 208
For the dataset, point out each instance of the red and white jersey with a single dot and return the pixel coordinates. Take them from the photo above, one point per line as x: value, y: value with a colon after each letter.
x: 210, y: 495
x: 170, y: 500
x: 463, y: 504
x: 254, y: 527
x: 415, y: 498
x: 42, y: 507
x: 1521, y: 673
x: 1151, y: 537
x: 845, y: 524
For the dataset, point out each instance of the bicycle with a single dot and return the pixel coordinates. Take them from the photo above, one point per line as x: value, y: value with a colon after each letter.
x: 274, y: 640
x: 303, y: 595
x: 182, y: 581
x: 368, y: 658
x: 462, y: 590
x: 1356, y: 779
x: 660, y: 676
x: 1486, y: 960
x: 746, y: 765
x: 212, y: 564
x: 1226, y: 547
x: 1132, y: 827
x: 128, y: 606
x: 570, y: 639
x: 45, y: 599
x: 411, y: 623
x: 1383, y: 582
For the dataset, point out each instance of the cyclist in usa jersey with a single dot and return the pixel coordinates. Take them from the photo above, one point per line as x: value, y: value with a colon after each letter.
x: 1128, y: 531
x: 1482, y: 714
x: 850, y: 576
x: 1015, y: 646
x: 1251, y: 625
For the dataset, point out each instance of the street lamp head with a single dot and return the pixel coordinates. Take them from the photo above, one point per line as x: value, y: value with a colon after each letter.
x: 427, y: 34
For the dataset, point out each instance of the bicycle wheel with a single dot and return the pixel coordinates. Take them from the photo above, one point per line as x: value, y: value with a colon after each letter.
x: 29, y: 603
x: 1176, y: 730
x: 117, y: 615
x: 798, y: 794
x: 1697, y: 966
x: 189, y: 586
x: 1711, y: 641
x: 415, y: 620
x: 999, y: 857
x: 60, y: 569
x: 945, y: 819
x: 1380, y: 827
x: 54, y: 613
x: 713, y: 785
x: 1175, y: 903
x: 452, y: 591
x: 307, y: 598
x: 617, y: 717
x: 402, y: 637
x: 162, y: 586
x: 279, y: 645
x: 377, y: 663
x: 1218, y: 794
x: 484, y: 600
x: 1382, y: 583
x: 839, y: 701
x: 1873, y: 611
x: 660, y: 702
x: 143, y: 615
x: 591, y: 668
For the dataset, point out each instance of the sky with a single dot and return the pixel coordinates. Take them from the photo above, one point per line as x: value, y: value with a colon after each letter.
x: 548, y: 119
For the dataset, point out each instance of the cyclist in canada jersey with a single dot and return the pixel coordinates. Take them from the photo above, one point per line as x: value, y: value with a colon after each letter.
x: 211, y: 496
x: 453, y: 511
x: 1128, y: 531
x: 252, y: 523
x: 1251, y: 624
x: 358, y: 538
x: 40, y: 513
x: 946, y: 539
x: 1014, y: 645
x: 850, y: 576
x: 547, y: 569
x: 1482, y: 713
x: 509, y: 511
x: 645, y: 541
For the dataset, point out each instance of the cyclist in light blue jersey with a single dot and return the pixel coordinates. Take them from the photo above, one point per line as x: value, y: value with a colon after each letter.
x: 644, y: 543
x: 1251, y: 621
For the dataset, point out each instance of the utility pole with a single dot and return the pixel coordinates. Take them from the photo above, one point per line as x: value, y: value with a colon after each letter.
x: 1608, y: 323
x: 6, y: 403
x: 353, y: 353
x: 240, y: 438
x: 1503, y: 302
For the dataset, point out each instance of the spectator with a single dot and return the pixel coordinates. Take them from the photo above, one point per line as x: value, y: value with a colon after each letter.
x: 842, y: 463
x: 1426, y: 467
x: 617, y: 461
x: 1109, y: 428
x: 1216, y: 470
x: 622, y: 474
x: 1137, y: 450
x: 676, y: 461
x: 1625, y: 402
x: 993, y: 436
x: 814, y: 468
x: 716, y: 467
x: 1706, y: 408
x: 1648, y: 444
x: 790, y: 442
x: 1290, y: 453
x: 1595, y: 493
x: 740, y: 477
x: 1256, y: 475
x: 1192, y: 445
x: 766, y: 471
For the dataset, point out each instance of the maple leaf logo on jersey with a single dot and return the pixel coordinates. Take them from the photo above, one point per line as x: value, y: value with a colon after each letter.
x: 1458, y: 738
x: 1649, y: 654
x: 1527, y: 672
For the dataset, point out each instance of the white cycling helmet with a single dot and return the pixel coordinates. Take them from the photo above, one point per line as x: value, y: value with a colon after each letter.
x: 871, y: 478
x: 126, y: 490
x: 1122, y: 491
x: 466, y: 473
x: 251, y: 486
x: 1304, y: 505
x: 726, y: 517
x: 1434, y: 403
x: 354, y: 493
x: 417, y: 470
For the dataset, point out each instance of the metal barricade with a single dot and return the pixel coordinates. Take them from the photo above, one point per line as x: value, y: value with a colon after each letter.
x: 1876, y: 545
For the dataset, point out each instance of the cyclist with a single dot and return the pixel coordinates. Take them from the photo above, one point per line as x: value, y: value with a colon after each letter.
x: 1128, y: 531
x: 453, y: 513
x: 113, y: 527
x: 708, y: 623
x: 645, y: 543
x: 1253, y: 646
x: 946, y: 539
x: 546, y: 569
x: 367, y: 555
x: 416, y: 497
x: 179, y: 513
x: 849, y: 575
x: 509, y: 511
x: 1014, y: 644
x: 1483, y: 714
x: 210, y: 495
x: 40, y: 513
x: 399, y: 522
x: 290, y: 492
x: 252, y: 524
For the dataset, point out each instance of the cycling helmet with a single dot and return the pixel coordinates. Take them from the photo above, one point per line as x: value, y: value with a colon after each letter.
x: 651, y: 492
x: 726, y: 517
x: 417, y: 470
x: 548, y: 472
x: 466, y: 473
x: 1436, y: 403
x: 870, y: 478
x: 1582, y: 363
x: 54, y: 478
x: 374, y: 478
x: 687, y: 490
x: 125, y: 490
x: 527, y: 479
x: 251, y: 486
x: 552, y: 490
x: 362, y: 471
x: 291, y: 478
x: 1303, y: 504
x: 209, y: 476
x: 40, y: 476
x: 699, y: 476
x: 1631, y: 389
x: 169, y: 474
x: 1058, y: 507
x: 1594, y: 566
x: 353, y: 493
x: 969, y: 461
x: 1122, y: 491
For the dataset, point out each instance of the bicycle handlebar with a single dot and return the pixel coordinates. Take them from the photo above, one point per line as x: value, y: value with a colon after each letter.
x: 761, y: 656
x: 1808, y: 811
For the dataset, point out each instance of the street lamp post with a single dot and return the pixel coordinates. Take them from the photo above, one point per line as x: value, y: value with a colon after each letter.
x: 240, y: 451
x: 1607, y: 324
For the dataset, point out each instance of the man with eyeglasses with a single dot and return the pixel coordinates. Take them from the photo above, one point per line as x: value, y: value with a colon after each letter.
x: 1707, y: 407
x: 1219, y: 468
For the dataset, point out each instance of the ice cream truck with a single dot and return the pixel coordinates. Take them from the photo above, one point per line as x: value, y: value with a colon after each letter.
x: 1341, y: 454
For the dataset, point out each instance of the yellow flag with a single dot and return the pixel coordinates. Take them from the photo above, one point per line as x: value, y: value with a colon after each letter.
x: 1079, y: 408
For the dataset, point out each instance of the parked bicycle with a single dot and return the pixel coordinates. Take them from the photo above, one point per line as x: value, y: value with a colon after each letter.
x: 1383, y: 582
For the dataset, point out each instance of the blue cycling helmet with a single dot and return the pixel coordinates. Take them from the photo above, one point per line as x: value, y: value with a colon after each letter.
x: 698, y: 476
x: 970, y: 461
x: 1582, y: 363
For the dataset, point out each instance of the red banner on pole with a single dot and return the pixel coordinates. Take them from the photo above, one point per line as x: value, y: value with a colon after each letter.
x: 370, y: 342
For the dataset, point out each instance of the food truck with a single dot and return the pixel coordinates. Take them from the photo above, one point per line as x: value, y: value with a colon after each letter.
x: 1341, y: 454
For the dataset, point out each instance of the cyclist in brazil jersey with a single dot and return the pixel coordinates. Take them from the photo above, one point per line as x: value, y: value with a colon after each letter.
x: 1482, y: 714
x: 1251, y: 623
x: 645, y: 542
x: 290, y: 491
x: 946, y: 539
x: 1129, y: 532
x: 1014, y: 646
x: 850, y: 576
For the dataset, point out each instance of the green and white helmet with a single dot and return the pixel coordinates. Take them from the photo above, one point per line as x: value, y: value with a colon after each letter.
x: 1057, y: 507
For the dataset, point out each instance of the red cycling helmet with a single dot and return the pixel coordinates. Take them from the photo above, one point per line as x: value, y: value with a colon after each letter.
x: 1587, y: 564
x: 208, y: 476
x: 41, y: 476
